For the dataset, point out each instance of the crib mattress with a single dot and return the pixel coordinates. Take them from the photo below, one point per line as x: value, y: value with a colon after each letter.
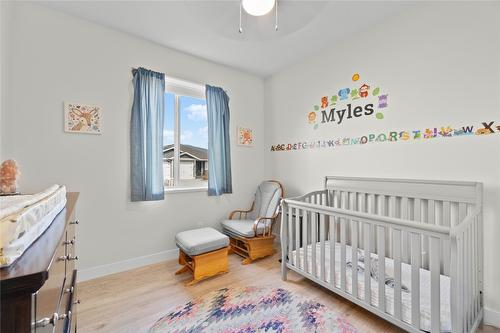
x: 24, y: 218
x: 425, y: 283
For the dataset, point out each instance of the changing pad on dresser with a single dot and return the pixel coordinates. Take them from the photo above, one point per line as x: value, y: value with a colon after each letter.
x: 23, y: 218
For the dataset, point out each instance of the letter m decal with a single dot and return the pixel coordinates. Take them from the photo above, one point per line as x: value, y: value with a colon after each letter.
x: 327, y: 117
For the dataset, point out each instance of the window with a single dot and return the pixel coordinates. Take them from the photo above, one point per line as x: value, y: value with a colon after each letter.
x: 185, y: 136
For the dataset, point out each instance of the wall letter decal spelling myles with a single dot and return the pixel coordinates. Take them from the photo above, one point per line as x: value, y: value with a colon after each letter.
x: 349, y: 103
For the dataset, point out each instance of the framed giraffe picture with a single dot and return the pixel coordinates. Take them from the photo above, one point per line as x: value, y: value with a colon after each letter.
x: 80, y: 118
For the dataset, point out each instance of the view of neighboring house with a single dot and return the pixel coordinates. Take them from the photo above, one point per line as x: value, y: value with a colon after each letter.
x: 193, y: 163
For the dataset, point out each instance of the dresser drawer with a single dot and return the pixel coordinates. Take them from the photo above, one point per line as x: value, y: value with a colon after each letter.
x: 48, y: 298
x: 69, y: 304
x: 71, y: 247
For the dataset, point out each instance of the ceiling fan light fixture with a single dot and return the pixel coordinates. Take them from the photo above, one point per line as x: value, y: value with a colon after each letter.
x: 258, y: 7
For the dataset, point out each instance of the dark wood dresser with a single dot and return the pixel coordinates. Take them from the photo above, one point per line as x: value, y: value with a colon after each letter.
x: 38, y: 291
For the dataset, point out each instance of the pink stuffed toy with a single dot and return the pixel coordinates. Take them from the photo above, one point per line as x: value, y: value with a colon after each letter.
x: 8, y: 177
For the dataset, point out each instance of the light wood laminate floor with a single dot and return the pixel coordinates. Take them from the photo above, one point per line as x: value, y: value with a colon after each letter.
x: 132, y: 301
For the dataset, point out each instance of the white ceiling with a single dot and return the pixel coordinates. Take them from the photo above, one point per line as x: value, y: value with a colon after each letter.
x: 209, y: 29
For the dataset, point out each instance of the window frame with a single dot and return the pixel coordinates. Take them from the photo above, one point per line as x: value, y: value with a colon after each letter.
x: 182, y: 88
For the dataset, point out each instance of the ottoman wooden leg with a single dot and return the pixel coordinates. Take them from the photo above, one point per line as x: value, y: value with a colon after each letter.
x: 204, y: 265
x: 182, y: 270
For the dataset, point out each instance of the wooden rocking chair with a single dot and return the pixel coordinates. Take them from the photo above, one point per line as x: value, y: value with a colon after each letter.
x: 250, y: 231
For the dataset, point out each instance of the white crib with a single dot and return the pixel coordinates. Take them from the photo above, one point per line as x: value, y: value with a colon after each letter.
x: 428, y: 232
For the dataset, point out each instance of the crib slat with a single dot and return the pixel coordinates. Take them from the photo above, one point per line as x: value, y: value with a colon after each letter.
x: 362, y: 208
x: 430, y: 219
x: 468, y: 268
x: 415, y: 279
x: 417, y: 206
x: 371, y: 210
x: 446, y: 243
x: 466, y: 276
x: 463, y: 305
x: 454, y: 214
x: 353, y: 205
x: 431, y: 212
x: 333, y: 240
x: 405, y: 234
x: 354, y: 258
x: 383, y: 210
x: 381, y: 268
x: 456, y: 286
x: 391, y: 212
x: 305, y: 239
x: 397, y: 273
x: 461, y: 255
x: 342, y: 253
x: 462, y: 211
x: 476, y: 265
x: 435, y: 258
x: 446, y: 213
x: 467, y: 271
x: 322, y: 245
x: 424, y: 218
x: 473, y: 270
x: 367, y: 255
x: 298, y: 259
x: 290, y: 234
x: 346, y: 201
x: 314, y: 235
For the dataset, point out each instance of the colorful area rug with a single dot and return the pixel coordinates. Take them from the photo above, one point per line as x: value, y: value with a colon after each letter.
x: 252, y: 309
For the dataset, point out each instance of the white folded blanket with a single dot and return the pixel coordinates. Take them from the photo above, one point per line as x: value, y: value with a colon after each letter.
x: 23, y: 218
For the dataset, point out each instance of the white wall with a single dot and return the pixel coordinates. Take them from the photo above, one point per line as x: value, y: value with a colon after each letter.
x: 57, y: 58
x: 440, y: 66
x: 4, y: 42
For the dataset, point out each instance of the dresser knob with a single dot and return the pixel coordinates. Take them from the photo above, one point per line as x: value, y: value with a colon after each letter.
x: 50, y: 321
x: 70, y: 242
x: 68, y: 258
x: 76, y: 302
x: 75, y: 222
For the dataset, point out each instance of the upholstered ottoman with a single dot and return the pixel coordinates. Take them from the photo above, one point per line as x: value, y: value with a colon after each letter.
x: 203, y: 252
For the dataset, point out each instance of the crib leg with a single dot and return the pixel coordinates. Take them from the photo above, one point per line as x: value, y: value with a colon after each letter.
x: 284, y: 270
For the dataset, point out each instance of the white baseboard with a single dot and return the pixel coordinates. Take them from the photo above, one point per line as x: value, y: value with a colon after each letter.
x: 491, y: 317
x: 125, y: 265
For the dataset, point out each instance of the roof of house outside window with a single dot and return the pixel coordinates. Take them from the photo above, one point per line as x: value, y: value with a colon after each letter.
x: 197, y: 153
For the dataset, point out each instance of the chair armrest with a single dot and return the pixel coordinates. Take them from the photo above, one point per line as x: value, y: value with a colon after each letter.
x: 240, y: 212
x: 267, y: 229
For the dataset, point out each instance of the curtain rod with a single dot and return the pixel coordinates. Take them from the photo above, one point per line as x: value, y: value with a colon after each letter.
x: 173, y: 77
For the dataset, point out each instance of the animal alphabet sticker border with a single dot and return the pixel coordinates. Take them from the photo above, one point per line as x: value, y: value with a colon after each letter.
x: 350, y: 103
x: 486, y: 128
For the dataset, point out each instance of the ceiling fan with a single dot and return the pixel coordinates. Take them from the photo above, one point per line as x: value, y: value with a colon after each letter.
x: 259, y: 8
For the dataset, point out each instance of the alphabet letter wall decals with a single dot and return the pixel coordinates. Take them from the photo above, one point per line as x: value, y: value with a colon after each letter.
x: 405, y: 135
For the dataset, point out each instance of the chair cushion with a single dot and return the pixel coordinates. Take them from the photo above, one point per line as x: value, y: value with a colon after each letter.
x: 242, y: 228
x: 267, y: 199
x: 199, y: 241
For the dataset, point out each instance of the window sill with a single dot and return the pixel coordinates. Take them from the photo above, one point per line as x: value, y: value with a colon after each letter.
x: 186, y: 189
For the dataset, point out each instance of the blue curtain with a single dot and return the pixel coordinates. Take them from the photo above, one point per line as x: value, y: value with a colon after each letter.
x: 219, y: 149
x: 146, y: 135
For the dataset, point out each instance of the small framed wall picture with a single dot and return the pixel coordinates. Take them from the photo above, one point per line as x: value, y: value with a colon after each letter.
x: 81, y: 118
x: 245, y: 136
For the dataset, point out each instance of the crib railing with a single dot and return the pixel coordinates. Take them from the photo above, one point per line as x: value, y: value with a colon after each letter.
x: 361, y: 221
x: 467, y: 273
